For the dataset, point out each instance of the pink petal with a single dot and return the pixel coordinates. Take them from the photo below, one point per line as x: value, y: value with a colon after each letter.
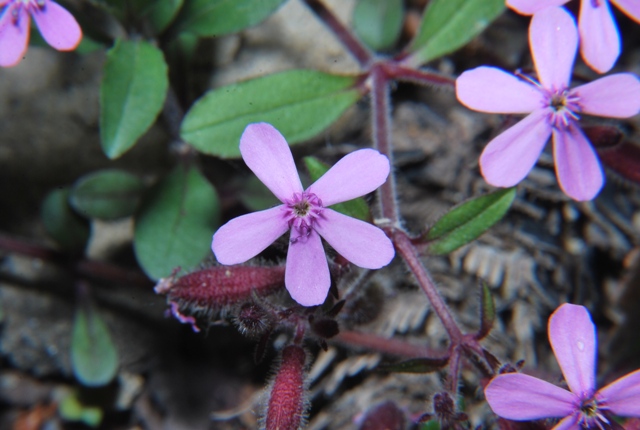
x: 599, y: 37
x: 622, y: 396
x: 57, y: 26
x: 307, y: 274
x: 573, y: 339
x: 509, y: 157
x: 554, y: 39
x: 577, y: 165
x: 520, y: 397
x: 614, y: 96
x: 572, y: 422
x: 630, y: 7
x: 13, y: 38
x: 245, y: 237
x: 487, y: 89
x: 355, y: 175
x: 363, y: 244
x: 529, y: 7
x: 267, y: 154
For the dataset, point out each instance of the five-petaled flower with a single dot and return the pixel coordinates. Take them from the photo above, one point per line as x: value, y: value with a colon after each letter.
x: 599, y: 37
x: 57, y: 26
x: 306, y: 214
x: 553, y: 109
x: 572, y: 334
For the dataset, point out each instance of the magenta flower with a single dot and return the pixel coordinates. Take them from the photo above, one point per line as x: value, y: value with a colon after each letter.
x: 57, y: 26
x: 306, y: 214
x: 553, y: 109
x: 519, y: 397
x: 599, y: 37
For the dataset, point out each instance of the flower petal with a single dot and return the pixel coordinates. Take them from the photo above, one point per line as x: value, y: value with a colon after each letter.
x: 245, y: 237
x: 630, y: 7
x: 14, y: 36
x: 355, y: 175
x: 307, y: 274
x: 520, y: 397
x: 363, y: 244
x: 553, y: 37
x: 267, y: 154
x: 623, y: 395
x: 573, y: 339
x: 572, y: 422
x: 487, y: 89
x: 577, y: 165
x: 509, y: 157
x: 614, y: 96
x: 529, y: 7
x: 57, y: 26
x: 599, y: 37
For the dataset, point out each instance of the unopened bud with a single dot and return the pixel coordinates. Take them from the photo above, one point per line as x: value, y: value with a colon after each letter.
x: 252, y: 320
x: 287, y: 403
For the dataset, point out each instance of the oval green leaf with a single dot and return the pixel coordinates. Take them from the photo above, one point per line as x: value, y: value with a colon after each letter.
x: 356, y: 208
x: 449, y: 24
x: 378, y: 22
x: 176, y: 223
x: 299, y: 103
x: 94, y: 357
x: 66, y: 227
x: 469, y: 220
x: 220, y: 17
x: 162, y: 12
x: 107, y: 194
x: 132, y: 94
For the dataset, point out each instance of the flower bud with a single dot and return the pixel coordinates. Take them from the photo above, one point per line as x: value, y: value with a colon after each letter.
x: 287, y: 403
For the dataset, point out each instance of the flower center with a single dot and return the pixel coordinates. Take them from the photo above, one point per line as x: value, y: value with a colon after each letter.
x: 565, y: 107
x: 302, y: 212
x: 592, y: 416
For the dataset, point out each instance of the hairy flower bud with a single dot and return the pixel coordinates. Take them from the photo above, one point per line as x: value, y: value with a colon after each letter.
x: 287, y: 402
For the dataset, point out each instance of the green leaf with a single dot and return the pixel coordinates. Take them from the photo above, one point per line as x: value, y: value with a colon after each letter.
x: 94, y: 357
x: 378, y: 22
x: 107, y: 194
x: 416, y: 365
x: 356, y: 208
x: 175, y: 225
x: 68, y: 229
x: 221, y: 17
x: 299, y: 103
x: 255, y: 195
x: 132, y: 94
x: 71, y: 409
x: 449, y: 24
x: 487, y: 312
x: 162, y: 12
x: 469, y: 220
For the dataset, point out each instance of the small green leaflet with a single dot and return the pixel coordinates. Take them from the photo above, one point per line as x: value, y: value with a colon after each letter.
x: 466, y: 222
x: 378, y: 22
x: 132, y: 94
x: 107, y: 194
x: 299, y: 103
x: 93, y: 355
x: 221, y: 17
x: 65, y: 226
x: 449, y: 24
x: 71, y: 409
x: 356, y: 208
x: 176, y: 223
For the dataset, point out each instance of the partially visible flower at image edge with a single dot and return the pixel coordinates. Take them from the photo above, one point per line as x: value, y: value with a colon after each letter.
x: 553, y: 109
x: 599, y: 36
x: 306, y: 215
x: 572, y: 335
x: 58, y: 27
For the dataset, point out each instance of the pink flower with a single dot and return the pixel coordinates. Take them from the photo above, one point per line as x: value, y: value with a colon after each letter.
x: 599, y: 37
x: 520, y: 397
x: 306, y: 214
x: 57, y: 26
x: 553, y: 109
